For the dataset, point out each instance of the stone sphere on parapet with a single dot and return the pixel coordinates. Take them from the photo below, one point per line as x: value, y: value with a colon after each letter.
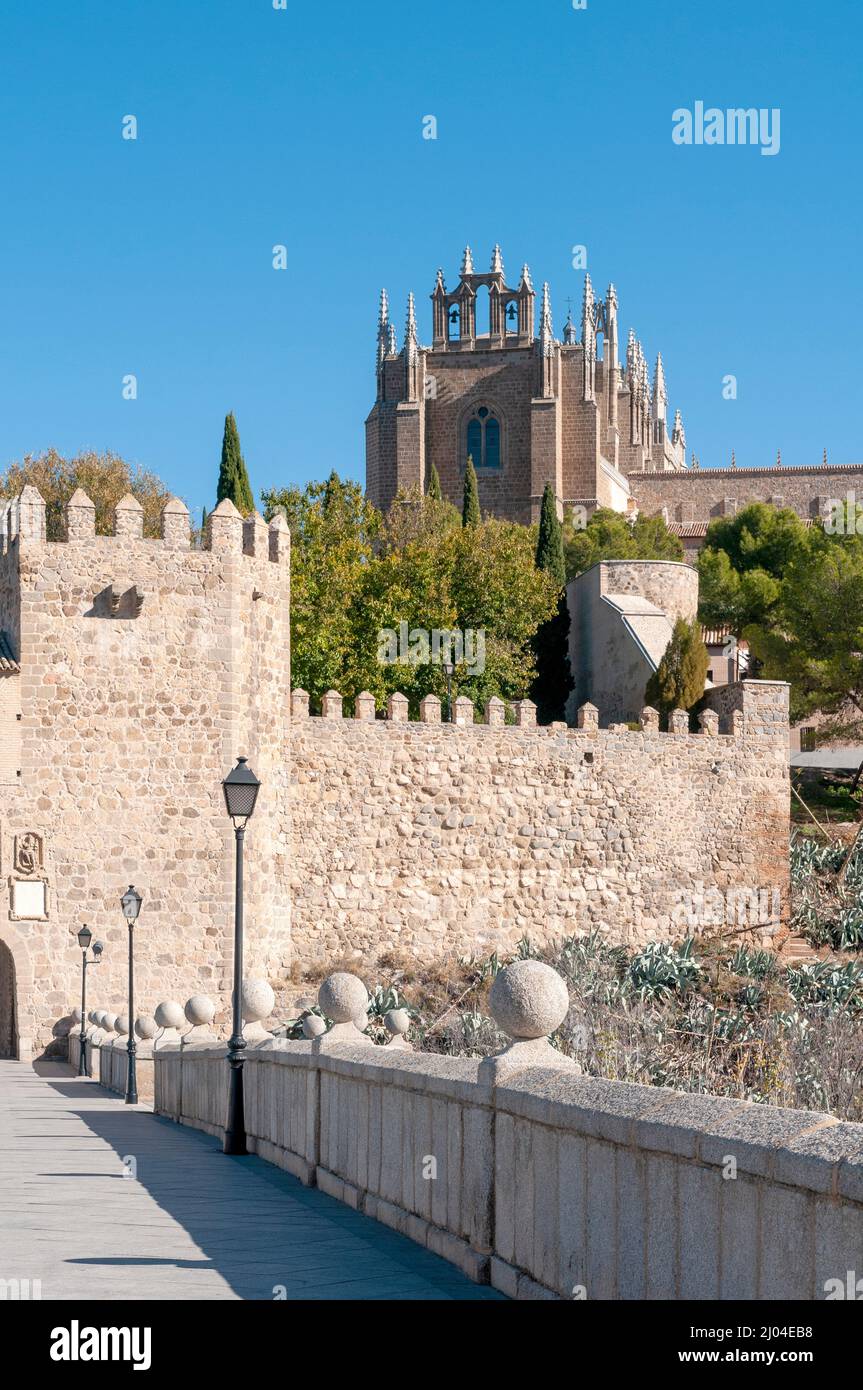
x: 200, y: 1010
x: 397, y: 1021
x: 344, y: 998
x: 257, y: 1000
x: 528, y: 999
x: 313, y: 1026
x: 91, y: 1017
x: 170, y: 1015
x: 76, y: 1013
x: 100, y: 1016
x: 146, y: 1027
x: 109, y: 1023
x: 121, y: 1024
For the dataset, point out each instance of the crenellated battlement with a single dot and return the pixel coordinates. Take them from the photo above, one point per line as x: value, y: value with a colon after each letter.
x: 732, y: 711
x: 24, y: 519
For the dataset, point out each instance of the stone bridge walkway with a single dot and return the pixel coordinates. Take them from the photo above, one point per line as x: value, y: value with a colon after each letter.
x: 194, y: 1225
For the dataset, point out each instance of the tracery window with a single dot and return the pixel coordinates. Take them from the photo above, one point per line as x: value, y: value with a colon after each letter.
x: 482, y: 442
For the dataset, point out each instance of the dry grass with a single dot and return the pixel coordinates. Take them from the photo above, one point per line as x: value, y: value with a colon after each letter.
x: 731, y: 1021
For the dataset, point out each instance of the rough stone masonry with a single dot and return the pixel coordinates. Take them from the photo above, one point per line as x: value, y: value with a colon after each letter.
x: 134, y: 671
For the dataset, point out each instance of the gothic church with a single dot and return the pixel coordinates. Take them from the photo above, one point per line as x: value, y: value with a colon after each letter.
x: 530, y: 409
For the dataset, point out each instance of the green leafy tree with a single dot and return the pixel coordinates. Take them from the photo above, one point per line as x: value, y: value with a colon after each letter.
x: 364, y: 585
x: 814, y: 637
x: 434, y: 491
x: 741, y: 567
x: 415, y: 516
x: 104, y: 477
x: 333, y: 534
x: 233, y: 478
x: 678, y: 681
x: 551, y: 641
x: 611, y: 535
x: 498, y: 590
x: 470, y: 513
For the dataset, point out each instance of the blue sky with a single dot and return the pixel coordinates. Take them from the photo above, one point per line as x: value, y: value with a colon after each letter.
x: 304, y: 127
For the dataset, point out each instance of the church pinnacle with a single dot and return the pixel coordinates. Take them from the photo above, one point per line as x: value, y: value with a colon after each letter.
x: 467, y: 262
x: 411, y: 324
x: 660, y: 391
x: 546, y: 331
x: 383, y: 334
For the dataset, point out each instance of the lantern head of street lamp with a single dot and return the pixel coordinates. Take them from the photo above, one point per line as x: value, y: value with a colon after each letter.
x: 449, y: 668
x: 85, y: 936
x: 131, y: 904
x: 241, y: 788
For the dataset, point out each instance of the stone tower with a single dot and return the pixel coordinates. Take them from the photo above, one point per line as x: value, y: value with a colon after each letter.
x: 135, y: 671
x: 527, y: 408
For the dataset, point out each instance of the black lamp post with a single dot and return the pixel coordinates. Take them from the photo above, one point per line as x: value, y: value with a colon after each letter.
x: 85, y: 936
x: 241, y: 788
x: 131, y: 905
x: 449, y: 670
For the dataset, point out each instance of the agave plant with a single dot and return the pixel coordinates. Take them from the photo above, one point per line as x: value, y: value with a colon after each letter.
x: 662, y: 968
x: 753, y: 964
x: 825, y: 982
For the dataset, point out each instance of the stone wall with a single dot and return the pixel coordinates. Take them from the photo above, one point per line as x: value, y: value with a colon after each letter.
x: 545, y: 1183
x: 432, y: 837
x: 699, y: 495
x: 146, y: 668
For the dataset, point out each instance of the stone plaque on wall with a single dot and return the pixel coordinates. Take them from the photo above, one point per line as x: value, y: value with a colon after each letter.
x: 29, y: 899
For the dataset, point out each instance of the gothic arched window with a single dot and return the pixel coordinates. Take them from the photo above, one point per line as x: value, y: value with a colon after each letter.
x: 474, y: 443
x: 483, y: 439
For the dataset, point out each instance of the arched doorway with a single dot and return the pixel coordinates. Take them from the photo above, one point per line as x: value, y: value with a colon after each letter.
x: 8, y: 1001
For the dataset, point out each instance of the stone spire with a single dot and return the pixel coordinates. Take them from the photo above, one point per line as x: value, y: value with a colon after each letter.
x: 633, y: 381
x: 440, y: 283
x: 570, y: 337
x: 467, y: 262
x: 678, y: 433
x: 588, y: 338
x: 411, y: 352
x: 392, y: 341
x: 411, y: 325
x: 633, y: 366
x: 383, y: 338
x: 496, y: 261
x: 525, y: 282
x: 660, y: 393
x: 546, y: 344
x: 546, y: 330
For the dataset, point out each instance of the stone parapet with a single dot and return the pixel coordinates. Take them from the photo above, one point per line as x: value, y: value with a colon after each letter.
x: 548, y: 1184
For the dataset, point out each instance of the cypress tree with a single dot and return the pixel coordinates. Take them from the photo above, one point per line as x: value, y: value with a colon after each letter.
x: 233, y: 478
x: 434, y: 486
x: 549, y: 545
x: 553, y: 680
x: 203, y: 526
x: 678, y: 681
x: 470, y: 513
